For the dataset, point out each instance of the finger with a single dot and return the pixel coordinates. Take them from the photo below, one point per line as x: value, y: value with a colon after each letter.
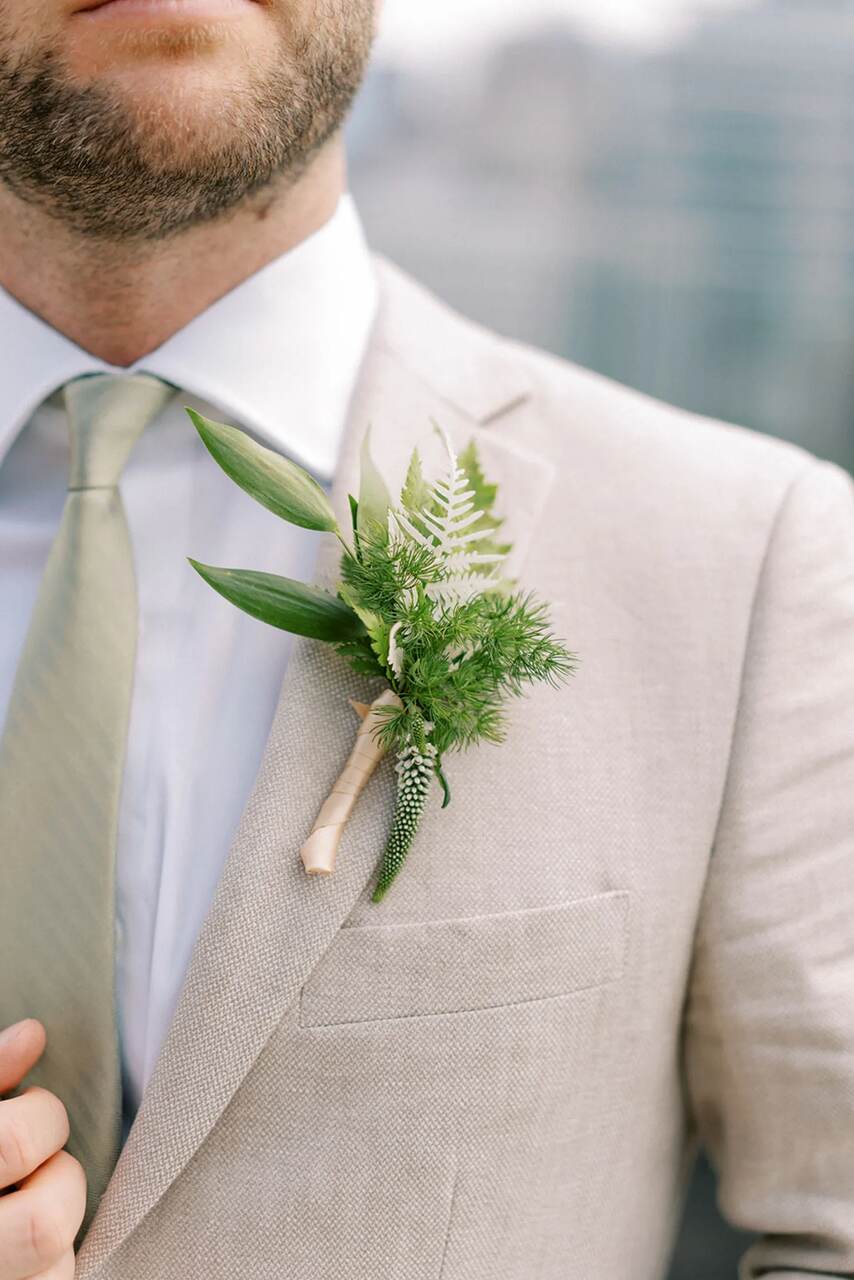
x: 32, y: 1127
x: 21, y: 1046
x: 39, y: 1221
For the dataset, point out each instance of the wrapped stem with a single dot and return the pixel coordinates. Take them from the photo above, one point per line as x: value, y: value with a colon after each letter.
x: 320, y: 849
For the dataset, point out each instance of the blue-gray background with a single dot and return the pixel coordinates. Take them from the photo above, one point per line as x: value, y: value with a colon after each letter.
x: 675, y: 211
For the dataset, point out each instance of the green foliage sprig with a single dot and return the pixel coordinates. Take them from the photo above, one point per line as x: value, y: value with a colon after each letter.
x: 420, y: 602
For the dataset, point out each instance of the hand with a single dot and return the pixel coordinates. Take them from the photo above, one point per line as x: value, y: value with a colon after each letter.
x: 42, y: 1187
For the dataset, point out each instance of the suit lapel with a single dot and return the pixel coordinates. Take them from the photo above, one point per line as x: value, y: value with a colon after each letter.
x: 269, y: 923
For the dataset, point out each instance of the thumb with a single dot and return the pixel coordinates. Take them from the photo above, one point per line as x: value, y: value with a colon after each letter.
x: 21, y: 1046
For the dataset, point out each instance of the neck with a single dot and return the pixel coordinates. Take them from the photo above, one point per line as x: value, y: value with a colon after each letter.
x: 121, y: 301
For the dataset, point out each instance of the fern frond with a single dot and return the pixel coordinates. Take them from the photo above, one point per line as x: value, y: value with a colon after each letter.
x: 453, y: 522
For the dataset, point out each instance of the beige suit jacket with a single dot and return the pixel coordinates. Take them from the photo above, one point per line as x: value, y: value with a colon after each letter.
x: 632, y: 929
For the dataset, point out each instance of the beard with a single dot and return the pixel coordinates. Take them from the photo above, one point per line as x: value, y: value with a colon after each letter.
x: 114, y: 170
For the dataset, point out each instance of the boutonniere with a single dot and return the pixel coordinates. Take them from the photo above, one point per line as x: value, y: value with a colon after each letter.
x: 420, y: 602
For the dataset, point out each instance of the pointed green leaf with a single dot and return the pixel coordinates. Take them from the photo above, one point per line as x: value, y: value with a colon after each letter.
x: 484, y: 493
x: 284, y: 603
x: 374, y: 499
x: 361, y: 657
x: 378, y: 630
x: 415, y: 494
x: 354, y: 520
x: 276, y: 482
x: 484, y: 500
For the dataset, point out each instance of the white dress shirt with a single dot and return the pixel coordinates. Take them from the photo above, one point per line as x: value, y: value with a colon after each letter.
x: 279, y: 354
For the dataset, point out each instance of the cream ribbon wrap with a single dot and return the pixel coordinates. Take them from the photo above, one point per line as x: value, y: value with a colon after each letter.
x: 320, y: 849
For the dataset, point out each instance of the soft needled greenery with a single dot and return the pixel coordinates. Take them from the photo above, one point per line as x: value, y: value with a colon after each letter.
x: 420, y: 603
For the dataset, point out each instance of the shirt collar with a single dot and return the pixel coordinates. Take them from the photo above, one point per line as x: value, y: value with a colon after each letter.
x: 279, y: 353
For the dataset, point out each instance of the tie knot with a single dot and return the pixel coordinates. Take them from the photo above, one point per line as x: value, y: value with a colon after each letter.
x: 107, y: 413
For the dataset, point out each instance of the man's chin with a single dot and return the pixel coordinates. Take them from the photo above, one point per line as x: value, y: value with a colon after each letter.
x: 144, y: 136
x: 168, y: 54
x: 182, y: 111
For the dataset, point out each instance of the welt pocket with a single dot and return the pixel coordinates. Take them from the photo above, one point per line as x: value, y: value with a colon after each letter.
x: 384, y: 972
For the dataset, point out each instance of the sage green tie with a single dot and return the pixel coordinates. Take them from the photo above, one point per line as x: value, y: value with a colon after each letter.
x: 61, y: 763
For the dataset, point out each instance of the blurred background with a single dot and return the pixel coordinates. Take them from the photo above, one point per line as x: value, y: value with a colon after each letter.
x: 661, y: 191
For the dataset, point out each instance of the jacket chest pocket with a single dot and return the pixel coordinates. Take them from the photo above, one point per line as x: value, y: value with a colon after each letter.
x: 375, y: 973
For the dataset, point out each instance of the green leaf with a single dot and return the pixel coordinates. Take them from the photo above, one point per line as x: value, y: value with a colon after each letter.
x: 354, y: 521
x: 484, y: 493
x: 360, y: 657
x: 284, y: 603
x: 484, y: 501
x: 415, y: 494
x: 374, y: 499
x: 378, y: 630
x: 276, y: 482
